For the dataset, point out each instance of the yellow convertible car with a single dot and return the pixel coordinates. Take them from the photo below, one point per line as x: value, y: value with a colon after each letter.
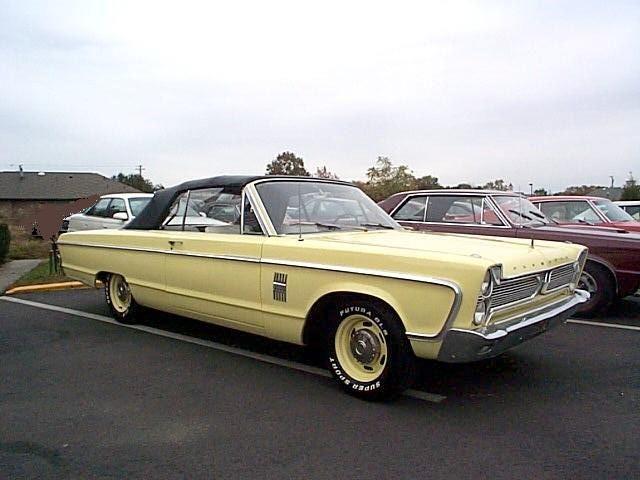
x: 317, y: 262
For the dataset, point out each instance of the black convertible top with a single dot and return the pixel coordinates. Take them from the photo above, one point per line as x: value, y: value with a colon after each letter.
x: 157, y: 209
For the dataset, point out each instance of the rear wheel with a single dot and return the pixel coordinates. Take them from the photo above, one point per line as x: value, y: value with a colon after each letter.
x: 368, y: 351
x: 120, y: 300
x: 596, y: 280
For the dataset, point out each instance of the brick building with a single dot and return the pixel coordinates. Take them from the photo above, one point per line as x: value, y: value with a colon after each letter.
x: 24, y: 196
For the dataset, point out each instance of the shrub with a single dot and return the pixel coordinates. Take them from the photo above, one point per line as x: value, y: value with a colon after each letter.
x: 5, y: 240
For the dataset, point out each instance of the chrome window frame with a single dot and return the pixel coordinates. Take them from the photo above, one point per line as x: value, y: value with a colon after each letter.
x: 406, y: 201
x: 601, y: 213
x: 261, y: 210
x: 487, y: 197
x: 249, y: 195
x: 592, y: 206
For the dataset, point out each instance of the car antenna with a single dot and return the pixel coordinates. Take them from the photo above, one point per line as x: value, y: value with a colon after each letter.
x: 521, y: 217
x: 300, y: 239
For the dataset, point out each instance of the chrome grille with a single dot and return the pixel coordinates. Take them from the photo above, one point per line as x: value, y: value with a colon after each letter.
x: 514, y: 290
x: 561, y: 277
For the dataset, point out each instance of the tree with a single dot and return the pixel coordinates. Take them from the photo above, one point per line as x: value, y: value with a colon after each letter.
x: 581, y: 189
x: 496, y: 185
x: 631, y: 190
x: 287, y: 163
x: 427, y: 182
x: 384, y: 179
x: 324, y: 173
x: 465, y: 186
x: 540, y: 192
x: 137, y: 181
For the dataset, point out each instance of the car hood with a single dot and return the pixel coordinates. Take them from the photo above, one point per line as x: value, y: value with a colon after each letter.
x: 589, y: 231
x: 517, y: 256
x: 630, y: 226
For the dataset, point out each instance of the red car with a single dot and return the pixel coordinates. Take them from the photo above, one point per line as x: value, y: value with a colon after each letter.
x: 613, y: 266
x: 597, y: 211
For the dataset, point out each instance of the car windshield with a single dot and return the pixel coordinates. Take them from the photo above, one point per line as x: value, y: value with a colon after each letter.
x: 137, y: 204
x: 296, y: 207
x: 612, y: 211
x: 520, y: 210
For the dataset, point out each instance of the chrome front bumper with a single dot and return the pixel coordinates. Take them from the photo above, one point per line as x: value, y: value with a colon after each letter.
x: 459, y: 346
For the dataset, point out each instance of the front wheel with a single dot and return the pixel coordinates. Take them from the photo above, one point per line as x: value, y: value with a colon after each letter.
x: 368, y: 351
x: 596, y: 280
x: 120, y: 300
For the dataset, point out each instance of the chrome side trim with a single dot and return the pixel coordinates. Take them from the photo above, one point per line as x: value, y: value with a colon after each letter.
x: 237, y: 258
x: 423, y: 337
x: 455, y: 307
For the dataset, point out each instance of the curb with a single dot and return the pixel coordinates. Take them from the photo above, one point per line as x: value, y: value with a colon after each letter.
x: 45, y: 287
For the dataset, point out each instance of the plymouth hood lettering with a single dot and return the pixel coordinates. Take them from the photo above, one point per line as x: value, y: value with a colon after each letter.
x: 516, y: 256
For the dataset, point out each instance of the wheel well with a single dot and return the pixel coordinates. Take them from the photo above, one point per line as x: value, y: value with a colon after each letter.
x: 101, y: 277
x: 315, y: 325
x: 607, y: 270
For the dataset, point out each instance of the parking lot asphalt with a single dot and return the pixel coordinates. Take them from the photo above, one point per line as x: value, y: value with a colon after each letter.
x: 82, y: 398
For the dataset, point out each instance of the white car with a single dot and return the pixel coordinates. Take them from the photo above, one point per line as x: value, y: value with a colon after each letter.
x: 632, y: 207
x: 110, y: 211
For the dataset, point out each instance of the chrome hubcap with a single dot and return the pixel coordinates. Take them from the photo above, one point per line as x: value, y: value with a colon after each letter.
x: 588, y: 283
x: 123, y: 292
x: 120, y: 293
x: 365, y: 346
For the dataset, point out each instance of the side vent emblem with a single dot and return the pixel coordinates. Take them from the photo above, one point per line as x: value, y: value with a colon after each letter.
x: 280, y: 287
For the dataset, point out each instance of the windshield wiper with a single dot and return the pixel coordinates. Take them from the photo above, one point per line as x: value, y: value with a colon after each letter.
x: 521, y: 214
x: 537, y: 214
x: 328, y: 226
x: 379, y: 225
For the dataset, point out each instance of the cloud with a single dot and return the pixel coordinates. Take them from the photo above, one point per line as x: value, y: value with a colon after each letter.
x: 463, y: 91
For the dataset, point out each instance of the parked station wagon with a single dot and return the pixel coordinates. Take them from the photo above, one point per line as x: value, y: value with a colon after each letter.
x: 317, y: 262
x: 613, y: 265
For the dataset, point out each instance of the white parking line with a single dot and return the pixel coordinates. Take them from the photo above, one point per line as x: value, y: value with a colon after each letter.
x: 600, y: 324
x: 416, y: 394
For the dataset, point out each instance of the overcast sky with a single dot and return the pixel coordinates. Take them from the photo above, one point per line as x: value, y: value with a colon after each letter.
x: 542, y: 92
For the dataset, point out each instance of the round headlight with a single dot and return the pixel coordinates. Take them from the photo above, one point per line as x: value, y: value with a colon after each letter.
x: 480, y: 313
x: 487, y: 282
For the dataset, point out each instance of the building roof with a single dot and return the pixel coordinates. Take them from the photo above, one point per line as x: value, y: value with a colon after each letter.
x: 57, y: 185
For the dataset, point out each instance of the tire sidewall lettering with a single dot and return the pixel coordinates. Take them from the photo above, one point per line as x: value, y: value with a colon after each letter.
x: 335, y: 366
x: 107, y: 293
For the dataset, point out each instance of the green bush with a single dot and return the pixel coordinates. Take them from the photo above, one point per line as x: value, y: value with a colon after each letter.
x: 5, y: 240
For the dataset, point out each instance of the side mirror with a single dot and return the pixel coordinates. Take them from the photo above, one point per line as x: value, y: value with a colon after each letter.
x: 120, y: 216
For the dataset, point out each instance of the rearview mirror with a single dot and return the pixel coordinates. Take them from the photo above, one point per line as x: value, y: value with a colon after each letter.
x: 120, y: 216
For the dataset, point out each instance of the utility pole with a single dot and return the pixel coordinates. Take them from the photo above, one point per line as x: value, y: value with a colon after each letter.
x: 140, y: 169
x: 531, y: 188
